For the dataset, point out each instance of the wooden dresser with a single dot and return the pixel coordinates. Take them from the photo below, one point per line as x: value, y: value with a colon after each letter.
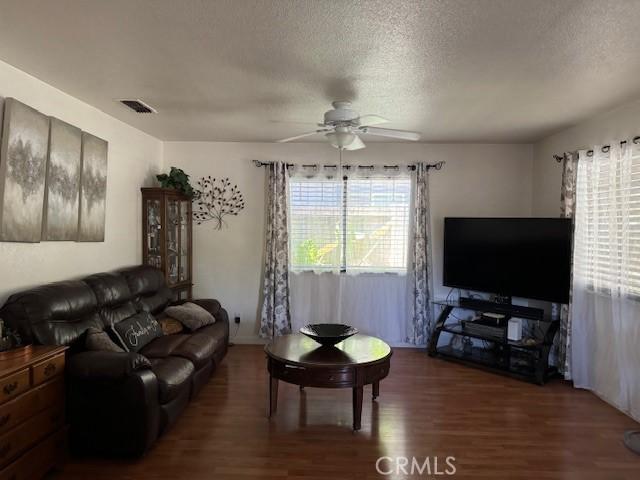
x: 33, y: 433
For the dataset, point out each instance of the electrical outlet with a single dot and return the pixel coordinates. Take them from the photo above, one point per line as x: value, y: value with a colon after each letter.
x: 236, y: 319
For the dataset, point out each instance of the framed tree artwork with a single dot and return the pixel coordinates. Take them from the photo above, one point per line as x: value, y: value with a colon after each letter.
x: 23, y: 159
x: 93, y: 189
x: 62, y: 193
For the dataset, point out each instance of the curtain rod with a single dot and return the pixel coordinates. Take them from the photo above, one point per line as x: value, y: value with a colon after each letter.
x: 435, y: 166
x: 605, y: 149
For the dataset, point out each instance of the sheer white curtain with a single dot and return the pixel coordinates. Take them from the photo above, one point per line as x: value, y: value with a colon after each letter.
x: 606, y: 285
x: 358, y: 276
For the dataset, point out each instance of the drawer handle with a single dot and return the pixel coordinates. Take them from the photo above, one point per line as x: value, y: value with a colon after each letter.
x: 50, y: 369
x: 330, y: 377
x: 9, y: 388
x: 4, y: 419
x: 6, y: 448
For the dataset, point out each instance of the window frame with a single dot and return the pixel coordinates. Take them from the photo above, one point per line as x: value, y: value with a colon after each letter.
x: 343, y: 267
x: 583, y: 268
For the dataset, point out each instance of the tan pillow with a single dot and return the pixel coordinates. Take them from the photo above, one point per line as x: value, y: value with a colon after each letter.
x: 100, y: 341
x: 170, y: 326
x: 190, y: 315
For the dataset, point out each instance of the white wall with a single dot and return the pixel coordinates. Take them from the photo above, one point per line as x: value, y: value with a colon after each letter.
x: 620, y: 124
x: 134, y: 158
x: 477, y: 180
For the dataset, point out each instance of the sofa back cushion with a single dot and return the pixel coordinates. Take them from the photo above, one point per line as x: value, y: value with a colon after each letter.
x: 115, y: 300
x: 148, y: 288
x: 54, y: 314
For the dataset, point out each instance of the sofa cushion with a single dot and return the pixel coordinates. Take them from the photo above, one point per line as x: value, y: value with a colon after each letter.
x: 190, y: 315
x: 148, y: 287
x: 137, y: 331
x: 54, y: 314
x: 173, y: 374
x: 164, y: 346
x: 198, y: 348
x: 98, y: 340
x: 113, y: 295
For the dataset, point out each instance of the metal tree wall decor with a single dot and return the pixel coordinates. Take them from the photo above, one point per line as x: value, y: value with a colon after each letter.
x: 214, y: 199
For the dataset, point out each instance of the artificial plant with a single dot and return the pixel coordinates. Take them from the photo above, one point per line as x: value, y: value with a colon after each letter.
x: 176, y: 179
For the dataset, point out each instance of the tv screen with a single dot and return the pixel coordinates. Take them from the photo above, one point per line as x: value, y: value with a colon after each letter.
x: 519, y: 257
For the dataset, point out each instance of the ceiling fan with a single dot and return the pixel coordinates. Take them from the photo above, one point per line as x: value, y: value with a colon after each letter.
x: 342, y: 125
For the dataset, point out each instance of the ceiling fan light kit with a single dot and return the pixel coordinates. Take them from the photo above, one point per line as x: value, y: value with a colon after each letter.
x: 342, y: 125
x: 342, y: 137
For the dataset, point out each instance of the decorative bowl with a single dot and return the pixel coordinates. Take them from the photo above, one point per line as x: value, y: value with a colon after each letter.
x: 328, y: 334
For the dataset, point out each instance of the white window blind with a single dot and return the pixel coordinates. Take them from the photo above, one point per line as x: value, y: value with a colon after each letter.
x: 607, y: 236
x: 353, y: 225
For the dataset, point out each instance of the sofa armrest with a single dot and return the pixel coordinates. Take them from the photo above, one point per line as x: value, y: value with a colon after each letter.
x: 99, y: 365
x: 209, y: 304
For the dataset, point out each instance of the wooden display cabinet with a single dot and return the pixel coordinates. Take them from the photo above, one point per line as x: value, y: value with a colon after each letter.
x: 167, y: 237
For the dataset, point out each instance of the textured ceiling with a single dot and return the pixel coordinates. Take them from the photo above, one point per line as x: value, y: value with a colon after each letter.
x: 241, y: 70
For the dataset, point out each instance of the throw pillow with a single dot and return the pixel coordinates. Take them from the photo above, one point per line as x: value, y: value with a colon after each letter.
x: 135, y: 332
x: 100, y: 340
x: 190, y: 315
x: 170, y: 326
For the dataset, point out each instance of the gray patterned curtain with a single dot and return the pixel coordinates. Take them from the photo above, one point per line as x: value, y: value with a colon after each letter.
x: 275, y: 318
x: 420, y: 325
x: 567, y: 210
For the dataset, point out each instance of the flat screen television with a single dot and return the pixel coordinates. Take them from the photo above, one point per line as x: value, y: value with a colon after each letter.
x: 514, y: 257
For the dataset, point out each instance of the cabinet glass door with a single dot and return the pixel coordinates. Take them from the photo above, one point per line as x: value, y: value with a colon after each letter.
x: 154, y: 233
x: 173, y: 240
x: 184, y: 241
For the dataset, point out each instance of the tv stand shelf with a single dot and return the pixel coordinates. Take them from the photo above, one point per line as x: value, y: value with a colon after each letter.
x: 516, y: 359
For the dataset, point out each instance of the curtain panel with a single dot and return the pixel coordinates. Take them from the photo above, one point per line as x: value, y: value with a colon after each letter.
x: 562, y: 345
x: 421, y: 324
x: 275, y: 318
x: 605, y: 332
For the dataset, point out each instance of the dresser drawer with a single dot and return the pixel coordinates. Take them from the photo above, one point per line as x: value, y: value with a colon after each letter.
x: 37, y: 461
x: 26, y: 406
x: 50, y: 368
x: 14, y: 385
x: 26, y: 435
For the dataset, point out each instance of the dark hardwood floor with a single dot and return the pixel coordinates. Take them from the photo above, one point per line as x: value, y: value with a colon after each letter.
x: 495, y: 427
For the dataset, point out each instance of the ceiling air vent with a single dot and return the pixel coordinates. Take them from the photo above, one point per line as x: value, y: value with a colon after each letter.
x: 138, y: 106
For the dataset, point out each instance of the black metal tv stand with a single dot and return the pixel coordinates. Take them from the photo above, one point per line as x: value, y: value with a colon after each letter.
x: 527, y: 361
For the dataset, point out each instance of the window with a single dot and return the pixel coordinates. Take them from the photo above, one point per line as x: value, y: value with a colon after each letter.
x: 353, y: 225
x: 607, y: 237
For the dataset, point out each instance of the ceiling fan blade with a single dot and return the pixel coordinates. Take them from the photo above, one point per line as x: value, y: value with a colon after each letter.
x: 388, y: 132
x: 372, y: 120
x: 357, y: 144
x: 308, y: 134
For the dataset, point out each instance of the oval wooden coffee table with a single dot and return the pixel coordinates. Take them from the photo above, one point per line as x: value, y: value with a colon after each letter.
x: 357, y: 361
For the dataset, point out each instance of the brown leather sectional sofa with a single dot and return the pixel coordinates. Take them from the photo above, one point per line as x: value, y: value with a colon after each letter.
x: 118, y: 403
